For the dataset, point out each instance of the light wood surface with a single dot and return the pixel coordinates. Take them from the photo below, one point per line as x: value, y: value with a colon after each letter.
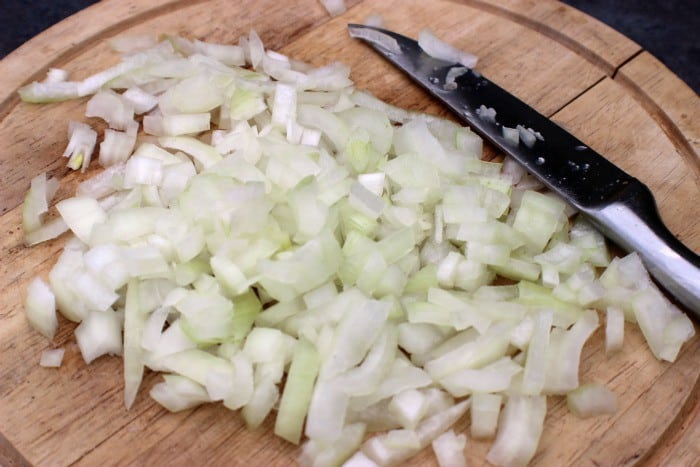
x: 595, y: 82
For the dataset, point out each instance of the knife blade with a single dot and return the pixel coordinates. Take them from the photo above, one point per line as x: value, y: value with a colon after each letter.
x: 618, y: 204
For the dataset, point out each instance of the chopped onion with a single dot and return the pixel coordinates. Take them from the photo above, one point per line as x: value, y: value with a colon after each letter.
x: 614, y: 330
x: 484, y: 414
x: 377, y: 37
x: 334, y: 7
x: 591, y: 400
x: 36, y: 203
x: 286, y: 244
x: 41, y: 308
x: 99, y: 333
x: 439, y: 49
x: 449, y: 449
x: 375, y: 20
x: 81, y: 144
x: 519, y: 430
x: 52, y: 358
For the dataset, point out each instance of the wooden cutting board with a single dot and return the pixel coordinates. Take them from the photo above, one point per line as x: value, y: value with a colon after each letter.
x: 590, y: 79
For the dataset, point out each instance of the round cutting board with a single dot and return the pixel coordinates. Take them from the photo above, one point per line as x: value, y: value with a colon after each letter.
x: 601, y: 86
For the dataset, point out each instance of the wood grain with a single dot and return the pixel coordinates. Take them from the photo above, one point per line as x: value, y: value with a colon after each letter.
x: 592, y: 80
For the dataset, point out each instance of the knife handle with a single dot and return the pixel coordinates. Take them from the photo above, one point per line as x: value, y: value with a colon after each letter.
x: 633, y: 222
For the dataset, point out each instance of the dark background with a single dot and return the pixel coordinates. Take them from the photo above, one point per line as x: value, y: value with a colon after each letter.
x: 669, y: 29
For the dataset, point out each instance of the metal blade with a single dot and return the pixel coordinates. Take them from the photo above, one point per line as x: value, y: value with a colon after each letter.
x: 561, y: 161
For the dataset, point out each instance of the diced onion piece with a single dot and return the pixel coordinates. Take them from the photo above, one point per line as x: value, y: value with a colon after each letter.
x: 375, y: 20
x: 48, y: 231
x: 487, y: 114
x: 360, y: 459
x: 297, y: 392
x: 484, y: 414
x: 318, y: 453
x: 100, y: 333
x: 510, y: 135
x: 334, y: 7
x: 527, y: 136
x: 409, y: 407
x: 614, y: 329
x: 41, y: 308
x: 536, y: 362
x: 81, y: 144
x: 81, y: 214
x: 131, y: 44
x: 176, y: 124
x: 49, y: 91
x: 134, y: 324
x: 564, y: 355
x: 139, y: 99
x: 201, y: 152
x: 177, y: 393
x: 264, y: 397
x: 519, y: 430
x: 112, y: 108
x: 591, y: 400
x: 376, y: 37
x: 116, y: 147
x: 56, y: 75
x: 444, y: 51
x: 36, y: 202
x: 537, y: 219
x: 449, y: 449
x: 52, y: 358
x: 226, y: 54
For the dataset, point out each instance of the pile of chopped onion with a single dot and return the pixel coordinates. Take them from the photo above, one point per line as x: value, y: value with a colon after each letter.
x: 259, y: 221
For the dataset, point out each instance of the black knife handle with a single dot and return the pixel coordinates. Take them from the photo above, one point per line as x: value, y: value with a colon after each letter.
x: 633, y: 222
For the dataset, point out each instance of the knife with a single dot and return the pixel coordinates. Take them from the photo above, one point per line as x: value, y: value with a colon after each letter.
x: 619, y: 205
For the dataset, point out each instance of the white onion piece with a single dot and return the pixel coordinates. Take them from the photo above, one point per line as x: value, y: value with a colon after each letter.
x: 40, y: 307
x: 81, y: 214
x: 56, y: 75
x: 484, y: 414
x: 100, y: 333
x: 177, y: 393
x: 131, y: 44
x: 48, y: 231
x: 519, y: 430
x: 376, y: 37
x: 52, y: 358
x: 486, y: 113
x: 36, y: 202
x: 591, y: 400
x: 334, y: 7
x: 375, y: 20
x: 116, y: 147
x: 140, y: 100
x: 112, y: 108
x: 449, y: 449
x: 409, y: 407
x: 444, y: 51
x: 614, y: 330
x: 360, y: 459
x: 81, y: 144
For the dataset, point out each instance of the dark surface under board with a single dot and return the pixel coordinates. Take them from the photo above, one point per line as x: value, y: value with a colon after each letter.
x: 669, y: 29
